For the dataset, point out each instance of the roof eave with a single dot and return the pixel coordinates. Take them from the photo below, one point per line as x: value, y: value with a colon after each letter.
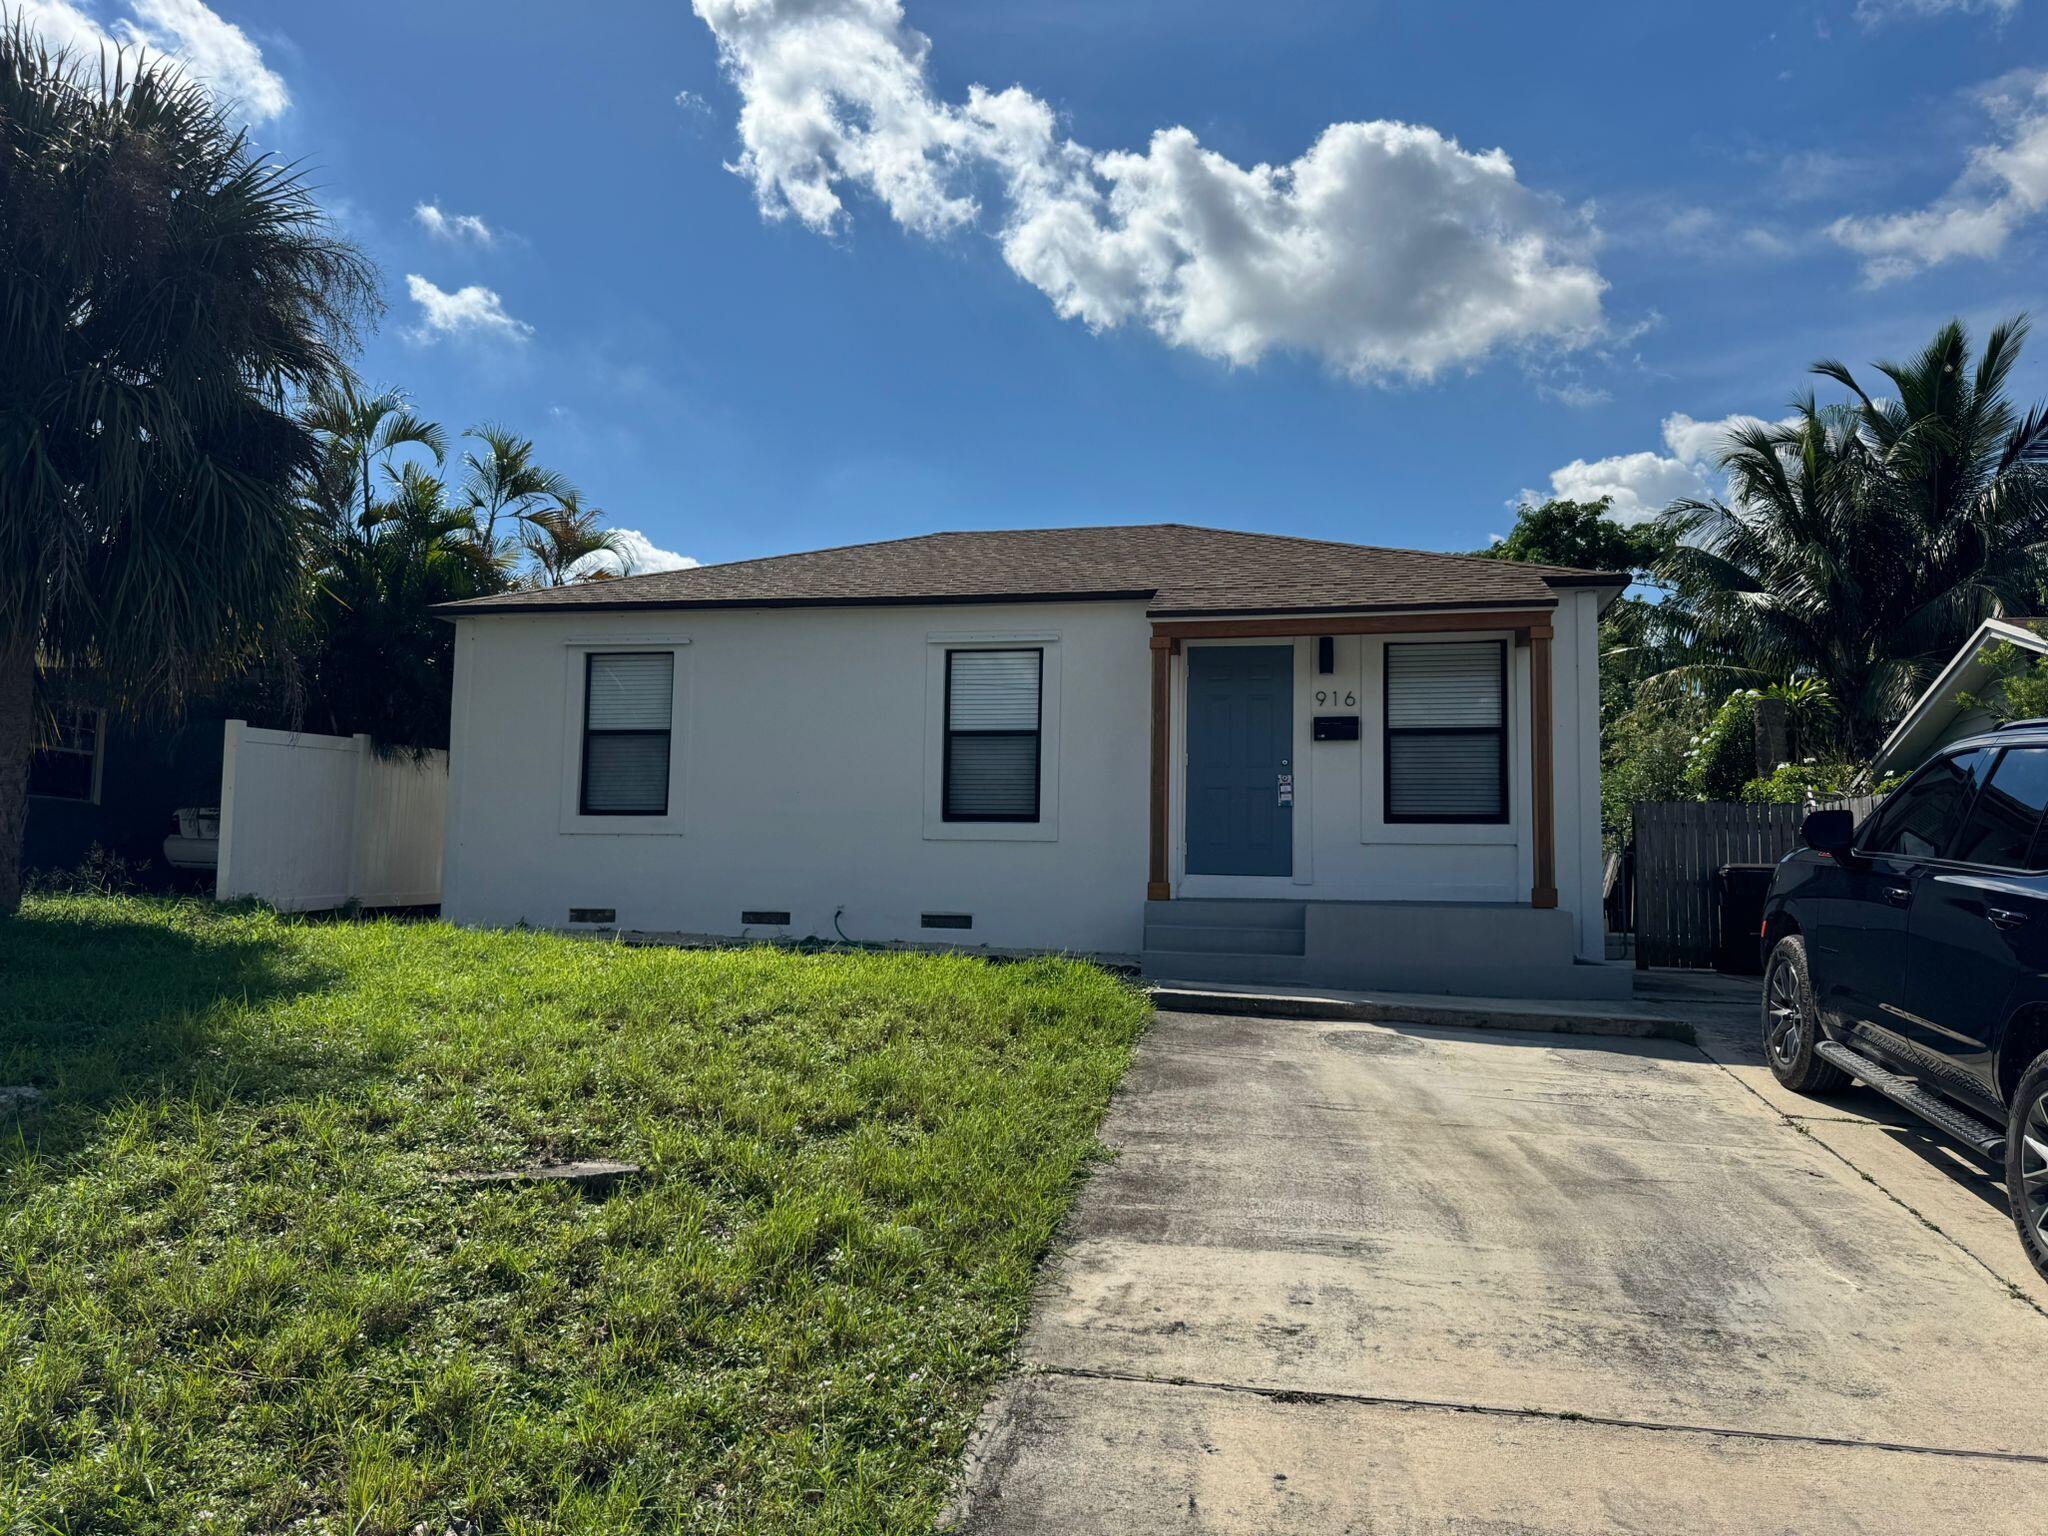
x: 1307, y: 614
x: 1957, y: 677
x: 478, y: 607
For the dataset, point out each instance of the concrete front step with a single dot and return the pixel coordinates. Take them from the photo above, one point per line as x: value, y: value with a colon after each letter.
x: 1190, y: 938
x: 1495, y: 949
x: 1245, y: 969
x: 1221, y: 912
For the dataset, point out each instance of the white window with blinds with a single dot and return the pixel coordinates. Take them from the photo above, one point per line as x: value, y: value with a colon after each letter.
x: 628, y: 706
x: 992, y: 741
x: 1446, y: 732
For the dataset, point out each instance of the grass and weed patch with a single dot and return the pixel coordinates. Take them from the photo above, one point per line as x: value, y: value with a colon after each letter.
x: 234, y: 1297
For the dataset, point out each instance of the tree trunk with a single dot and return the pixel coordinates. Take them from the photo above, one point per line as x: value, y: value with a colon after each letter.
x: 1773, y: 736
x: 17, y: 734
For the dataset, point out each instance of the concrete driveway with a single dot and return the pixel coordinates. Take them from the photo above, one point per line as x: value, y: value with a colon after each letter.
x: 1351, y: 1277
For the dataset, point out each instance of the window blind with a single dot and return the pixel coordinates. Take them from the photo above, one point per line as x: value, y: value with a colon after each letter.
x: 1444, y: 778
x: 628, y: 704
x: 633, y: 691
x: 992, y: 735
x: 1446, y: 734
x: 993, y: 691
x: 1437, y: 686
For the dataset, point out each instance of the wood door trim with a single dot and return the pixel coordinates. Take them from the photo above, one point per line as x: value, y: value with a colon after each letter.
x: 1542, y: 773
x: 1157, y: 886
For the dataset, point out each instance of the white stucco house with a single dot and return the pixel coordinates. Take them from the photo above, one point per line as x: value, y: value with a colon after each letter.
x: 1233, y: 756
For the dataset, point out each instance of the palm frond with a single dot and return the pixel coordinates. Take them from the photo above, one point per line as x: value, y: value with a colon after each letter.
x: 165, y: 294
x: 1862, y: 542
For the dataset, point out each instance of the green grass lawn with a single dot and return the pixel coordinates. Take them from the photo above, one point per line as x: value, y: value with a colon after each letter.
x: 233, y: 1297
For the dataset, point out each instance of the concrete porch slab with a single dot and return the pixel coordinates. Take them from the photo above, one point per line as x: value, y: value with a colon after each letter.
x: 1458, y: 948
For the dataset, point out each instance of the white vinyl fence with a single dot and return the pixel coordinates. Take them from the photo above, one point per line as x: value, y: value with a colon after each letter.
x: 309, y: 823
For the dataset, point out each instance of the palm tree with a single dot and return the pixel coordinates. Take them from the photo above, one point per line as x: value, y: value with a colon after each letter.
x: 164, y: 292
x: 361, y: 433
x: 375, y: 657
x: 1965, y: 475
x: 567, y: 543
x: 1862, y: 543
x: 505, y: 481
x: 391, y: 544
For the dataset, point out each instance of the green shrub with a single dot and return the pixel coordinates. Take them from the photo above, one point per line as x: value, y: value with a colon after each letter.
x: 2019, y: 688
x: 1644, y: 757
x: 1803, y: 784
x: 1723, y: 756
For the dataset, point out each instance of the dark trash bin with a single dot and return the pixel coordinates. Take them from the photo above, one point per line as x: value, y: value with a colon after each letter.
x: 1741, y: 889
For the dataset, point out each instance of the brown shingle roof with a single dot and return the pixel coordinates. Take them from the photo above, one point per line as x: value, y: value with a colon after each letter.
x: 1181, y: 570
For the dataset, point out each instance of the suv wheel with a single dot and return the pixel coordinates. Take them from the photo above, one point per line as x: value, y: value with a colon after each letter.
x: 2026, y: 1162
x: 1791, y: 1024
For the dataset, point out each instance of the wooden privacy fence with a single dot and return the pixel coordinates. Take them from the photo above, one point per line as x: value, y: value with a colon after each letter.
x: 1674, y: 853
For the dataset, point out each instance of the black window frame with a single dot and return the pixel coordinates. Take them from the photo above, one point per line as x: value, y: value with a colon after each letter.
x: 95, y: 757
x: 1388, y: 732
x: 667, y: 734
x: 1036, y: 733
x: 2037, y: 845
x: 1875, y: 822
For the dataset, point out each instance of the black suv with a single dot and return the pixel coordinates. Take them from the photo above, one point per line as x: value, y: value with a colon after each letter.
x: 1911, y: 953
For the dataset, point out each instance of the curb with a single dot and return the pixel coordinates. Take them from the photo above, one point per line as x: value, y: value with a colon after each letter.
x: 1472, y: 1013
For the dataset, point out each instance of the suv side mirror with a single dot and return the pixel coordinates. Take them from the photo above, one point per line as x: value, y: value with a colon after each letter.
x: 1829, y: 832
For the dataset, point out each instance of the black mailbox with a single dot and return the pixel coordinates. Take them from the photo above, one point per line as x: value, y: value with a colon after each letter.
x: 1336, y: 728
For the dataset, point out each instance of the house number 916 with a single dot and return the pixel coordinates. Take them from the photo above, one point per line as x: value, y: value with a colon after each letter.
x: 1329, y: 696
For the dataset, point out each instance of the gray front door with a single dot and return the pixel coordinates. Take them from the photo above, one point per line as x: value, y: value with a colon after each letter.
x: 1240, y: 760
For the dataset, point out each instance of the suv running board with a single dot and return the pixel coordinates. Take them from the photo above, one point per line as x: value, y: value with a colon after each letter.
x: 1907, y: 1094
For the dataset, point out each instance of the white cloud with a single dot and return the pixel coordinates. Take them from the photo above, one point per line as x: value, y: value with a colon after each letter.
x: 474, y: 311
x: 1688, y: 231
x: 1812, y: 175
x: 453, y: 228
x: 636, y: 555
x: 1575, y: 393
x: 1876, y: 12
x: 216, y: 52
x: 2003, y: 187
x: 1640, y: 485
x: 1386, y: 249
x: 64, y: 26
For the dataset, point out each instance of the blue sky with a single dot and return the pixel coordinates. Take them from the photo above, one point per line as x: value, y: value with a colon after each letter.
x: 911, y: 307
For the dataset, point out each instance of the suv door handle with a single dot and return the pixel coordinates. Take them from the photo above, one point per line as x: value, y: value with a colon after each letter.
x: 1897, y: 895
x: 2004, y: 917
